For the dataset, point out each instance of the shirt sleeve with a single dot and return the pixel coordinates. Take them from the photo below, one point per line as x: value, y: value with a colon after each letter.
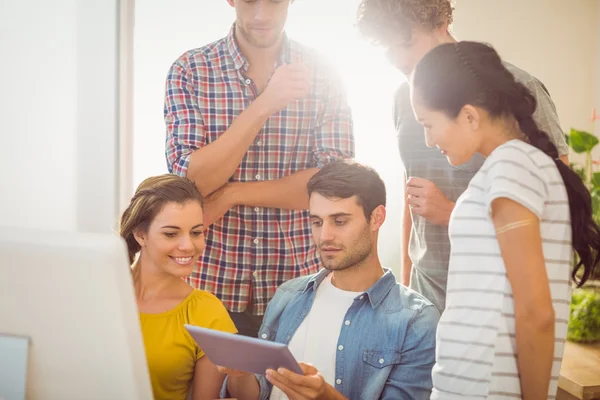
x: 211, y: 313
x: 511, y: 173
x: 411, y: 378
x: 183, y: 118
x: 546, y: 117
x: 335, y: 128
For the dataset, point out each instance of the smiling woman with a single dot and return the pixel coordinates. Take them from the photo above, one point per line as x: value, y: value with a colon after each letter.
x: 163, y: 228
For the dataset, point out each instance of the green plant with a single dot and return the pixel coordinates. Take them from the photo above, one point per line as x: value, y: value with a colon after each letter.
x: 583, y: 143
x: 584, y: 319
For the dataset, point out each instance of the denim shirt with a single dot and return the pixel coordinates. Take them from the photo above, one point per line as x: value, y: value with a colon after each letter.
x: 388, y: 337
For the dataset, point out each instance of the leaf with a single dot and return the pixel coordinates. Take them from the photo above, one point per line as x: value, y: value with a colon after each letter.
x: 596, y: 180
x: 581, y: 141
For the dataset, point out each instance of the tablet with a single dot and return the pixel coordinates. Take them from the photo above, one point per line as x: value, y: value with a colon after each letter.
x: 243, y: 353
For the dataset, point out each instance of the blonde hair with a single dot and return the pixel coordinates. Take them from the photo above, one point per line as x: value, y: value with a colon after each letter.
x: 382, y: 21
x: 149, y: 199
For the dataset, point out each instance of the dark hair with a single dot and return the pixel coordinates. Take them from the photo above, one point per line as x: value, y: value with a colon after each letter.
x: 149, y: 199
x: 456, y: 74
x: 382, y: 21
x: 345, y: 178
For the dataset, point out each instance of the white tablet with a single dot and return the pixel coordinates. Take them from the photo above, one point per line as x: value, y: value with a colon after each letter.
x: 243, y: 353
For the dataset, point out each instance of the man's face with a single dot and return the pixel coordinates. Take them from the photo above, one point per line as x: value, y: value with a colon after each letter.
x: 260, y: 22
x: 405, y: 54
x: 340, y: 231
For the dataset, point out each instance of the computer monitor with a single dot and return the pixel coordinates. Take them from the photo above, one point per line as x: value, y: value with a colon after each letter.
x: 71, y: 294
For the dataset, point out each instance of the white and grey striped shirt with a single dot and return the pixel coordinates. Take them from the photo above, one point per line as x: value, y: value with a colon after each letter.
x: 476, y: 347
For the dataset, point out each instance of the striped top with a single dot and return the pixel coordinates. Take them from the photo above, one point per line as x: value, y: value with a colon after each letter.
x: 429, y: 248
x: 476, y: 347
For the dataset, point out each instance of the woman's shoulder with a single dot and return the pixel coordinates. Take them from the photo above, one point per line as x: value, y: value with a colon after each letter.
x: 205, y: 309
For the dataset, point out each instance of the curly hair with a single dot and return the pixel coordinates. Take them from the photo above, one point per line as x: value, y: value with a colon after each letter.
x: 381, y: 21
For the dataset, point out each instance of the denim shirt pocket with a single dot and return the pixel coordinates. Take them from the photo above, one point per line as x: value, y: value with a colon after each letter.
x: 376, y: 368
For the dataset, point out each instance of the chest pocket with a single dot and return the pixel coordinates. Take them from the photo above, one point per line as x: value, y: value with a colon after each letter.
x: 381, y: 358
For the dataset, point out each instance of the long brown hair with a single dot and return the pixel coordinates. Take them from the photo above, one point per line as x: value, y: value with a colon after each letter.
x: 456, y: 74
x: 149, y: 199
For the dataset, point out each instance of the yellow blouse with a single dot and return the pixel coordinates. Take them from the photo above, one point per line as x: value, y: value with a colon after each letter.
x: 170, y: 350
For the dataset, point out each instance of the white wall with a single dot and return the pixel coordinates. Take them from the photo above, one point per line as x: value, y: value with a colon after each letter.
x: 58, y: 107
x: 555, y: 40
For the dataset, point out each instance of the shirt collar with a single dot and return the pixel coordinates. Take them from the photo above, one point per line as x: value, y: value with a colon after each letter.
x: 240, y: 62
x: 375, y: 293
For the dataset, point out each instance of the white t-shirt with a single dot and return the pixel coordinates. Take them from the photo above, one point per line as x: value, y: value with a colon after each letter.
x: 316, y: 339
x: 476, y: 348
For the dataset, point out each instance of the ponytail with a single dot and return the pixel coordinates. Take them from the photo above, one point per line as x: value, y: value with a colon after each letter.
x: 456, y: 74
x: 585, y: 232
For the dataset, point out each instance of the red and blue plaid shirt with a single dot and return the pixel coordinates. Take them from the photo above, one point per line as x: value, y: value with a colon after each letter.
x: 252, y: 250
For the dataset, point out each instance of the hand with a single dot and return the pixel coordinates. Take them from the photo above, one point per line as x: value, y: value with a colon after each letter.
x: 217, y: 204
x: 427, y: 200
x: 310, y: 386
x: 289, y: 82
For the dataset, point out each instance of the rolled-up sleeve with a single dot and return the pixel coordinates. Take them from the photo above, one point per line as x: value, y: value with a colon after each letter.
x: 335, y: 128
x: 183, y: 118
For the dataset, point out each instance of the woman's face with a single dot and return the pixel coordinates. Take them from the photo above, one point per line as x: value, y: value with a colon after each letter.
x: 174, y: 240
x: 455, y: 138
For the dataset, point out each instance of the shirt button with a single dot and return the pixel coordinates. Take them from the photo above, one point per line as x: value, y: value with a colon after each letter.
x: 257, y: 176
x: 381, y: 361
x: 258, y: 143
x: 264, y: 336
x: 340, y: 347
x: 256, y: 209
x: 256, y: 241
x: 248, y: 81
x: 362, y: 297
x: 347, y: 322
x: 338, y: 381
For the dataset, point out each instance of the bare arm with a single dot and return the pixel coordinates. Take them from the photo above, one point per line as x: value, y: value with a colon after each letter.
x: 406, y: 265
x: 565, y: 159
x: 523, y: 256
x: 207, y: 380
x: 242, y: 386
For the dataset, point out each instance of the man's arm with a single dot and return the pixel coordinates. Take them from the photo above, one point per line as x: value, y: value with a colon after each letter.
x: 334, y: 139
x: 287, y: 193
x: 406, y: 265
x: 211, y: 165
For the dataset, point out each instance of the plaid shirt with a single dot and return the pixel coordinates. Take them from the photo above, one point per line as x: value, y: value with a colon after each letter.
x: 252, y: 250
